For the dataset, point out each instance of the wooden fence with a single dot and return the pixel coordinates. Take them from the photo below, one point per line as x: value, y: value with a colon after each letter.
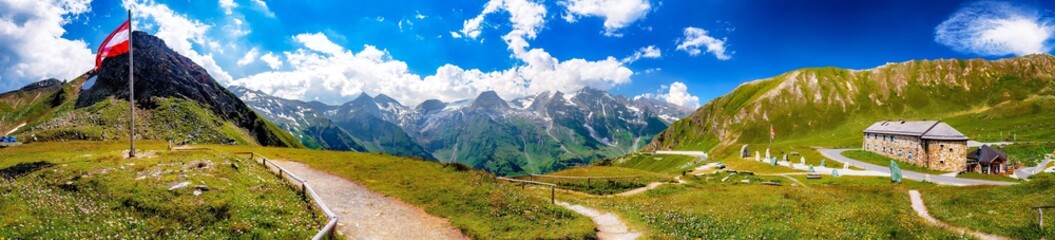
x: 330, y: 228
x: 588, y: 178
x: 552, y: 187
x: 1040, y: 214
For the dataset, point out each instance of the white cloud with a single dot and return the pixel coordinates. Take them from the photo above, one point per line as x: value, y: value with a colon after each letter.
x: 526, y: 17
x: 995, y: 29
x: 180, y: 33
x: 380, y: 19
x: 249, y: 57
x: 419, y: 15
x: 697, y: 37
x: 271, y: 60
x: 263, y: 8
x: 227, y: 6
x: 617, y: 14
x: 318, y: 42
x: 455, y: 34
x: 677, y: 94
x: 31, y: 44
x: 645, y: 52
x: 338, y: 76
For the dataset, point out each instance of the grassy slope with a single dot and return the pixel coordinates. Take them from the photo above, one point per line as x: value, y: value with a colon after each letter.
x: 601, y: 186
x: 668, y: 164
x: 473, y: 201
x: 51, y: 115
x: 91, y: 191
x: 1001, y: 210
x: 829, y: 106
x: 707, y: 208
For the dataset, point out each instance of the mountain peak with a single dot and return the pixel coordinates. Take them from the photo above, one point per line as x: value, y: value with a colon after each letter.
x: 489, y: 99
x: 163, y: 73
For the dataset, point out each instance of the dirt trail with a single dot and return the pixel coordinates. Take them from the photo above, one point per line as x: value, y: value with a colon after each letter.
x: 364, y: 214
x: 609, y: 226
x: 921, y: 209
x: 650, y: 186
x: 20, y: 125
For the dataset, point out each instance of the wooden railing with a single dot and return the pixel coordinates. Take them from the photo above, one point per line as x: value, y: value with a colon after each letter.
x: 306, y: 190
x: 552, y: 187
x: 1040, y: 214
x: 588, y: 178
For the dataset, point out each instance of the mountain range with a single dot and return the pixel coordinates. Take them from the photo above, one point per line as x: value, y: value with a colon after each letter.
x: 534, y: 134
x: 987, y: 100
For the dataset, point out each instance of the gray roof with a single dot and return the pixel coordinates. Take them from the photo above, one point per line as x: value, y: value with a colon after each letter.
x: 934, y: 130
x: 986, y: 155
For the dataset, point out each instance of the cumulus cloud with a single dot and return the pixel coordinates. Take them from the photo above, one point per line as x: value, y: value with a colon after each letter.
x: 677, y: 94
x: 31, y: 44
x: 645, y: 52
x: 227, y: 6
x: 262, y: 7
x: 695, y: 38
x: 526, y: 17
x: 335, y: 77
x: 249, y: 57
x: 271, y: 60
x: 994, y: 28
x: 180, y: 33
x: 318, y: 42
x: 617, y: 14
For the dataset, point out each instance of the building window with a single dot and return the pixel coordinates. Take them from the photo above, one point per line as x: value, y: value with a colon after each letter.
x: 898, y: 153
x: 910, y: 155
x: 950, y: 149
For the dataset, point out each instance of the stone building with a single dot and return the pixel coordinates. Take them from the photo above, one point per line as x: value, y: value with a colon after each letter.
x: 931, y: 144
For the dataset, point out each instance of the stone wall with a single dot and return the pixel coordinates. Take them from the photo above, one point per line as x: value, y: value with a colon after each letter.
x: 912, y: 150
x: 947, y: 155
x: 899, y: 147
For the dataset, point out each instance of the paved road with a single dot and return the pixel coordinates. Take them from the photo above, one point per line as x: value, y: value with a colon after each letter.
x: 364, y: 214
x: 1024, y: 173
x: 836, y: 154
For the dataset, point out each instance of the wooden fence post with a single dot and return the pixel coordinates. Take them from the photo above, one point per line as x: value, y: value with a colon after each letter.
x: 552, y: 195
x: 1040, y: 212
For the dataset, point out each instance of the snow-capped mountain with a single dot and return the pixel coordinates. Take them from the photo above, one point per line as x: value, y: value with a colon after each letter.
x: 534, y: 134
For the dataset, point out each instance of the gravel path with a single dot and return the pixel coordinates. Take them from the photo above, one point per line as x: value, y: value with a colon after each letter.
x: 921, y: 209
x: 609, y: 226
x: 364, y: 214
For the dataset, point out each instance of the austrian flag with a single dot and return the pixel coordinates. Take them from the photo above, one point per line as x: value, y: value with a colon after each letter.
x: 115, y: 44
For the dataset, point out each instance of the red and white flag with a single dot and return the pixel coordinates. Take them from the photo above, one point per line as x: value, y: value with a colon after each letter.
x: 772, y: 133
x: 115, y: 44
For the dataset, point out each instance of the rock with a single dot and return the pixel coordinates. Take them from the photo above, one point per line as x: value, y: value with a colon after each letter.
x: 745, y: 181
x: 235, y: 166
x: 180, y: 185
x: 197, y: 192
x: 201, y: 187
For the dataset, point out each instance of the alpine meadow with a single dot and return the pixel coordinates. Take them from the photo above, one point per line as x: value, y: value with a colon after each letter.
x: 527, y: 119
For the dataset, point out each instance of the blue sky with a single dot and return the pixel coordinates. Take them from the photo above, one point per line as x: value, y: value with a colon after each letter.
x: 414, y: 50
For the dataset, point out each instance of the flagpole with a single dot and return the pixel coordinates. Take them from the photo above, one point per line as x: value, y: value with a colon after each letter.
x: 131, y: 91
